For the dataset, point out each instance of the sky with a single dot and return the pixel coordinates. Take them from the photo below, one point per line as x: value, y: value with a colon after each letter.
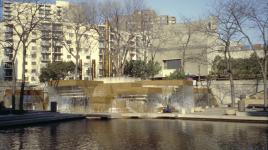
x: 181, y: 8
x: 178, y: 8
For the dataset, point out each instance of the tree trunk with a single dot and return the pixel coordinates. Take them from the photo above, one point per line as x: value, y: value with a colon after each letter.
x: 23, y: 79
x: 13, y: 95
x: 232, y: 89
x: 265, y: 83
x: 183, y: 61
x: 76, y: 60
x: 76, y: 67
x: 230, y: 73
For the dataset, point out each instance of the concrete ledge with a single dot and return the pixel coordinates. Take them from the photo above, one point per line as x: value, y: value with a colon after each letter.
x: 35, y: 118
x: 224, y: 118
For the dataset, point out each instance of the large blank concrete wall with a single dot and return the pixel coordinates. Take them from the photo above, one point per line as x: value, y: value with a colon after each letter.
x: 221, y: 89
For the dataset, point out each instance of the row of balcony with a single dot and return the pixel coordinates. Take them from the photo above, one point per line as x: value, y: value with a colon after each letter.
x: 49, y: 60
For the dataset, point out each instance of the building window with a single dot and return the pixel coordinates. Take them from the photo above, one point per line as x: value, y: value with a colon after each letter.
x: 69, y: 56
x: 33, y: 78
x: 88, y: 57
x: 33, y: 70
x: 172, y: 64
x: 71, y: 35
x: 34, y: 63
x: 26, y: 70
x: 33, y: 55
x: 88, y: 71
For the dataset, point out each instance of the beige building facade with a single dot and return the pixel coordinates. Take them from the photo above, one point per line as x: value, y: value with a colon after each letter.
x: 52, y: 41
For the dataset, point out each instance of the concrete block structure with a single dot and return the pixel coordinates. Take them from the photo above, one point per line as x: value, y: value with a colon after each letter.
x: 140, y: 96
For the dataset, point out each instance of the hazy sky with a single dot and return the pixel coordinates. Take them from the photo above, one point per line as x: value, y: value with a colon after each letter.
x: 179, y: 8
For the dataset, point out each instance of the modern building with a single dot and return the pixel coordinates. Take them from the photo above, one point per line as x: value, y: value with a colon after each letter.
x: 166, y: 20
x: 200, y: 51
x: 146, y: 19
x: 53, y: 40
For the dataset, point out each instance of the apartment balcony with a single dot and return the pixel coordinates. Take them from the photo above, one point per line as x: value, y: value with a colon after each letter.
x: 45, y: 60
x: 8, y: 72
x: 58, y: 29
x: 45, y: 44
x: 7, y: 6
x: 45, y: 29
x: 9, y: 38
x: 58, y: 59
x: 8, y: 59
x: 58, y: 37
x: 44, y: 51
x: 8, y: 52
x: 57, y: 44
x: 57, y: 52
x: 8, y: 45
x: 7, y: 17
x: 102, y: 39
x: 9, y: 31
x: 47, y: 18
x: 8, y: 65
x: 101, y: 45
x: 7, y: 11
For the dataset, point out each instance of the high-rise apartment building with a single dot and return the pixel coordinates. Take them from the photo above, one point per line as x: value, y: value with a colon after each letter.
x: 110, y: 43
x: 47, y: 43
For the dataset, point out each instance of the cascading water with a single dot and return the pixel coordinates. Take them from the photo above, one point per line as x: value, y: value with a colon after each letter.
x: 175, y: 97
x: 69, y: 102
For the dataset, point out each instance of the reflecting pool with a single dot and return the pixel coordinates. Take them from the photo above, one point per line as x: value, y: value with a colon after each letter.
x: 137, y: 134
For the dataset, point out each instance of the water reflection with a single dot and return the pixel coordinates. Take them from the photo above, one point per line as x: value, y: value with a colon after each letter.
x: 137, y: 134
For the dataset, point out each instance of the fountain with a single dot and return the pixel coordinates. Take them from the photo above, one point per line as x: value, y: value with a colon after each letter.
x: 134, y: 97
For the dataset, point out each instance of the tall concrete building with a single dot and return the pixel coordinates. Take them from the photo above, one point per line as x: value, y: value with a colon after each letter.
x: 47, y: 43
x: 196, y: 58
x: 146, y: 19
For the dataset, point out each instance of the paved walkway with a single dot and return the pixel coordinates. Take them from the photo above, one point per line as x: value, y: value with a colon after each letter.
x: 35, y: 118
x: 212, y: 114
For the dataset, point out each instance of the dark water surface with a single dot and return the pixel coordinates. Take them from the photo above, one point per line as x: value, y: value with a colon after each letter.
x: 137, y: 135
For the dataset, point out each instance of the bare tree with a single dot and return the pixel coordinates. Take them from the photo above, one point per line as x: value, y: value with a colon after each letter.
x: 81, y: 18
x: 22, y: 22
x: 226, y: 33
x: 253, y: 15
x: 117, y: 16
x: 185, y: 38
